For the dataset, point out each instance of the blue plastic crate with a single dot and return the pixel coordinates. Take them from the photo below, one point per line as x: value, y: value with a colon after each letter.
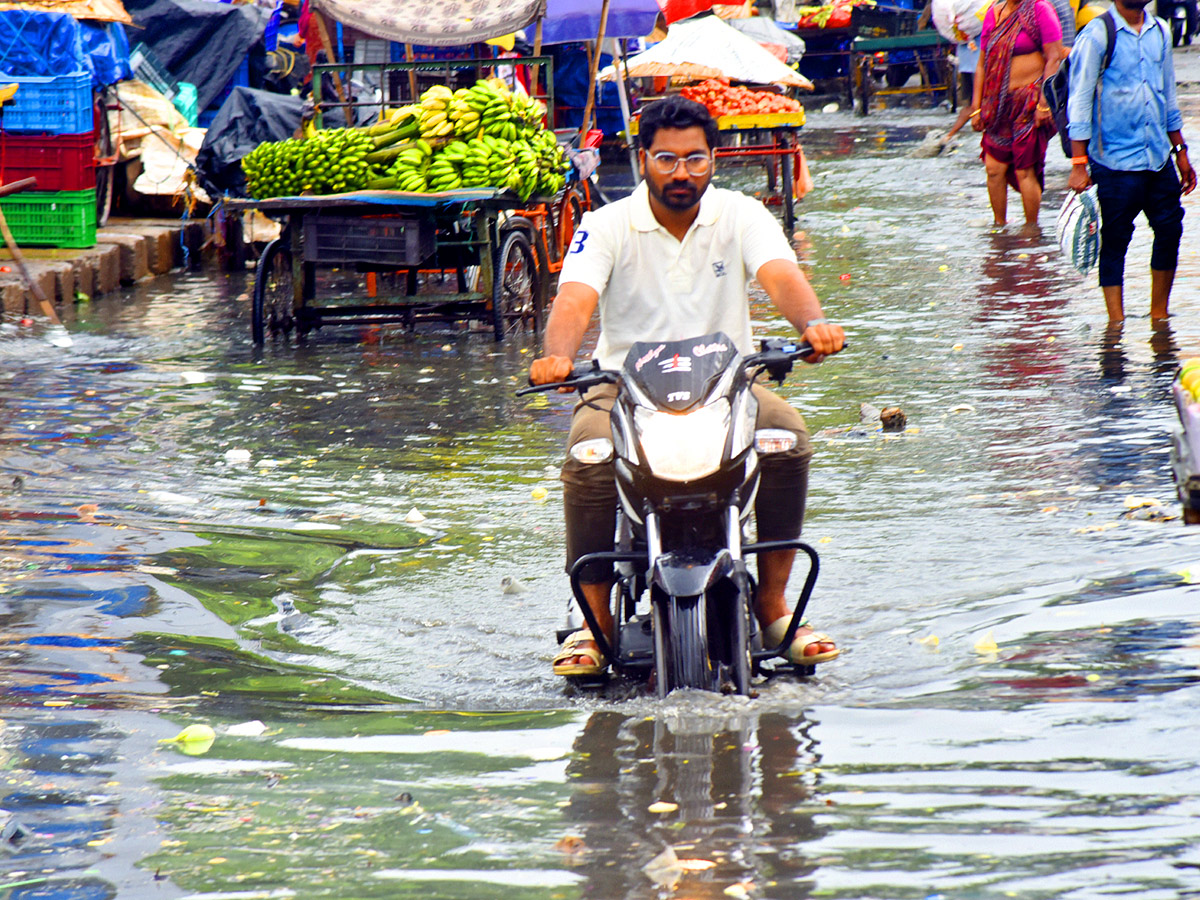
x: 241, y: 78
x: 271, y: 35
x: 50, y: 104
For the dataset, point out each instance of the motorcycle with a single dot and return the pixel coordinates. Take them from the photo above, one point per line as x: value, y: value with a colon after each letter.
x: 685, y: 455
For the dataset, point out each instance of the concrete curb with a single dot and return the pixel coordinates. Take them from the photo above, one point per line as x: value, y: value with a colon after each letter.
x: 127, y: 251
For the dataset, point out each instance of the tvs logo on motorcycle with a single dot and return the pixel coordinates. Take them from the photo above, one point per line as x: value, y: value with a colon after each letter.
x: 676, y: 363
x: 649, y: 356
x: 679, y: 396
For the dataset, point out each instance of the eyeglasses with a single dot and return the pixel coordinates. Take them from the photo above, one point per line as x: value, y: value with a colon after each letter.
x: 695, y: 163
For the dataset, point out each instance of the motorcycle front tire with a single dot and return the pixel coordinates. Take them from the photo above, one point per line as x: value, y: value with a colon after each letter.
x: 683, y: 661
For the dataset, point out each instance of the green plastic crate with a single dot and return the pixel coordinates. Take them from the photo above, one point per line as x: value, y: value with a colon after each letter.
x: 55, y: 219
x: 187, y: 103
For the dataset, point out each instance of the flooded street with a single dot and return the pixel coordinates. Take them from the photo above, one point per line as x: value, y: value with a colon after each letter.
x: 196, y: 533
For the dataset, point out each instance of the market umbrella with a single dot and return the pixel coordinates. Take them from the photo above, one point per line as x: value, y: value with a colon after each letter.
x: 579, y: 20
x: 765, y: 31
x: 709, y: 48
x: 445, y: 23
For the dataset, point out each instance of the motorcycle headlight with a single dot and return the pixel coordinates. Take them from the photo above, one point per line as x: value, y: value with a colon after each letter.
x: 683, y: 447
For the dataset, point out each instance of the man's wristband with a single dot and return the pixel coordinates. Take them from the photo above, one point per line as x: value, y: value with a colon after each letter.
x: 1079, y: 160
x: 812, y: 322
x: 1181, y: 147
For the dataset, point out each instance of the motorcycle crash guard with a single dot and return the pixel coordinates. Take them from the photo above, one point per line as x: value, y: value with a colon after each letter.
x: 680, y: 576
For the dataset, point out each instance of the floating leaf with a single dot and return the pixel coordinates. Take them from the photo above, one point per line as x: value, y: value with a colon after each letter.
x: 193, y: 740
x: 662, y: 807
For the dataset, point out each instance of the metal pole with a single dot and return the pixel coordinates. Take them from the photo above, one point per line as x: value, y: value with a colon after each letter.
x: 595, y: 67
x: 623, y: 96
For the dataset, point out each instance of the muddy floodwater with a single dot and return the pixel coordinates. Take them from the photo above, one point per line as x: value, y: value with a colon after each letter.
x: 197, y: 534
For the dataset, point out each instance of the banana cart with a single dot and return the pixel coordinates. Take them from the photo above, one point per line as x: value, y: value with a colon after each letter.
x: 473, y: 255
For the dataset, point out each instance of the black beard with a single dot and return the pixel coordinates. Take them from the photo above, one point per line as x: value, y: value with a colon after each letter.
x: 678, y: 197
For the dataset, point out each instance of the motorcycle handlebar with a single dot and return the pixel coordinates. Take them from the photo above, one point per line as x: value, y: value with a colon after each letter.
x: 775, y: 358
x: 580, y: 379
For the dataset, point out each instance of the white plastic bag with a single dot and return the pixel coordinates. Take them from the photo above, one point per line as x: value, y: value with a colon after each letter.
x: 959, y: 20
x: 1078, y: 229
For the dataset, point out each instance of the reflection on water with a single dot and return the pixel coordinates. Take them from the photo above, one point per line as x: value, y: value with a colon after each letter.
x: 195, y: 532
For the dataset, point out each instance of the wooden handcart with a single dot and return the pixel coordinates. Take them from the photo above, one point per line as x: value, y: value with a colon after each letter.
x: 460, y: 256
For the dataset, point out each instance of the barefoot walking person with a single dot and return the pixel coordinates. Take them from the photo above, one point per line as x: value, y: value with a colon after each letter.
x: 1022, y: 46
x: 1125, y: 124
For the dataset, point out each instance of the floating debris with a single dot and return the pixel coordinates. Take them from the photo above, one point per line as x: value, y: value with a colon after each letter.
x: 986, y: 644
x: 510, y: 585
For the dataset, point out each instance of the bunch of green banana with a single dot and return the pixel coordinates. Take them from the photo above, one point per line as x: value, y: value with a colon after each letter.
x: 326, y: 162
x: 435, y: 104
x: 271, y: 171
x: 445, y: 170
x: 477, y: 164
x: 500, y: 161
x: 408, y: 171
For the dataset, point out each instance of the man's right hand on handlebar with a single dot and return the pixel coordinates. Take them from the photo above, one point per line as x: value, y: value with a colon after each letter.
x: 826, y: 340
x: 549, y: 369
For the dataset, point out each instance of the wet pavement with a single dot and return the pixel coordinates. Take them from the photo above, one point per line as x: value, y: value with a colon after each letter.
x: 196, y: 533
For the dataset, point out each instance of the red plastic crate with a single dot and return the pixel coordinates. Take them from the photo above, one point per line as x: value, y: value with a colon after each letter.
x: 59, y: 162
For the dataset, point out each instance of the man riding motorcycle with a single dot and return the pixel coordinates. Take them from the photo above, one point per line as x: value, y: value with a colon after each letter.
x: 669, y: 262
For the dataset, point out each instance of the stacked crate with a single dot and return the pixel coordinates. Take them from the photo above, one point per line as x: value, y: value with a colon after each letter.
x: 47, y: 131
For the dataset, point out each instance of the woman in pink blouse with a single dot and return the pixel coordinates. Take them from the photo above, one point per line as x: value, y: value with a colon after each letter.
x: 1022, y: 46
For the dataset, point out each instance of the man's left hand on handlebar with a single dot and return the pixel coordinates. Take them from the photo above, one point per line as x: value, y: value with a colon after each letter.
x: 826, y: 339
x: 549, y: 369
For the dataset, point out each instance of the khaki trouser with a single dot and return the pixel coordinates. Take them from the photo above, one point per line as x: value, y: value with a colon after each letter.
x: 590, y: 495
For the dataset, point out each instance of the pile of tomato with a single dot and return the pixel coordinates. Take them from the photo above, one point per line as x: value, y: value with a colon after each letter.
x: 723, y: 99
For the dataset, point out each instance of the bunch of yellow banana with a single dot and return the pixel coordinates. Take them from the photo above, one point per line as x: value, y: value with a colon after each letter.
x: 463, y: 114
x: 407, y: 119
x: 435, y: 103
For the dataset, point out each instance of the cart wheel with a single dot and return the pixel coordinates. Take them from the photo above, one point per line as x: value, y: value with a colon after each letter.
x: 516, y: 288
x: 273, y: 293
x: 106, y: 165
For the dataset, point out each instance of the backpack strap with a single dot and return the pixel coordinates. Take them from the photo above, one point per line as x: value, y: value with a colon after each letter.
x: 1110, y: 27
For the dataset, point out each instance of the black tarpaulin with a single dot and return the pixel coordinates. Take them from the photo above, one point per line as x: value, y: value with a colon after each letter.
x: 198, y: 41
x: 245, y: 120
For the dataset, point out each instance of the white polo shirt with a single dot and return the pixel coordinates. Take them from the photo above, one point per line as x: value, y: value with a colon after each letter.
x: 655, y: 288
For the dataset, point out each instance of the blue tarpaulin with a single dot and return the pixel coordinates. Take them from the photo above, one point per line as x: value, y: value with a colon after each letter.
x: 108, y: 48
x: 579, y: 20
x: 52, y: 43
x: 41, y: 43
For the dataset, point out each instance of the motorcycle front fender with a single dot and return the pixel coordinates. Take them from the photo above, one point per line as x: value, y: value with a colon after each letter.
x: 679, y: 576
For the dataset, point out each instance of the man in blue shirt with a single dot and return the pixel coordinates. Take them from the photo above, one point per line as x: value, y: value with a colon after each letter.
x: 1126, y: 123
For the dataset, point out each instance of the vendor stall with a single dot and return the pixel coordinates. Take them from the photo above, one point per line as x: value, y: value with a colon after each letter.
x: 762, y: 125
x: 456, y: 208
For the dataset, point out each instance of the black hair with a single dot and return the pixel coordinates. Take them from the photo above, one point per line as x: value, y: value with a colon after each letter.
x: 676, y: 112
